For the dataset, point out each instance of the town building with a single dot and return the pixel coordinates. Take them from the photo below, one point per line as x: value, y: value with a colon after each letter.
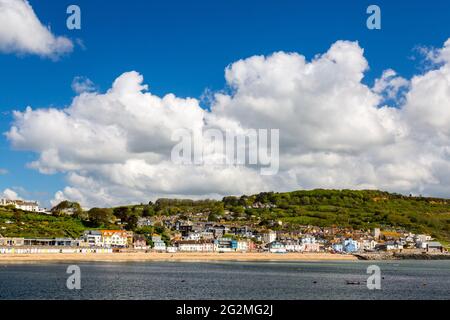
x: 367, y: 245
x: 218, y: 231
x: 193, y: 236
x: 195, y: 246
x: 12, y: 242
x: 158, y: 243
x: 269, y: 237
x: 389, y: 246
x: 93, y: 238
x: 57, y: 242
x: 276, y: 247
x: 293, y: 246
x: 310, y: 244
x: 139, y: 242
x: 434, y: 246
x: 350, y: 245
x: 31, y: 206
x: 337, y: 247
x: 244, y: 245
x: 225, y: 245
x: 376, y: 233
x: 421, y: 240
x: 114, y: 238
x: 144, y: 222
x: 206, y: 235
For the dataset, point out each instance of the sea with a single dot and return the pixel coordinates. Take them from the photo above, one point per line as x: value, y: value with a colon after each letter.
x: 405, y: 279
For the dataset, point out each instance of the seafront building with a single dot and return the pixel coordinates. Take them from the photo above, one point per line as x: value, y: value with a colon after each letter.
x: 93, y: 238
x: 158, y: 243
x: 195, y: 246
x: 114, y: 238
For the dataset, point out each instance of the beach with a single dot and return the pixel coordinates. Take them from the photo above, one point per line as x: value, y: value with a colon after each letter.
x: 179, y: 256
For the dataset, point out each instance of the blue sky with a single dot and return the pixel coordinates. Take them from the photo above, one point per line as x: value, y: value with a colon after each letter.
x: 183, y: 47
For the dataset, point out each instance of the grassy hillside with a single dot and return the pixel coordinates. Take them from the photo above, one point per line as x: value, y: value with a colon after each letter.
x: 18, y: 223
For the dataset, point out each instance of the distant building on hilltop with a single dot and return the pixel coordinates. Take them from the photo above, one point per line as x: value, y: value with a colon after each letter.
x: 24, y: 205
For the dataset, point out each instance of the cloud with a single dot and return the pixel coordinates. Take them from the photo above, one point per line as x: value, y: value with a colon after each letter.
x: 3, y: 171
x: 303, y: 98
x: 335, y: 131
x: 390, y: 85
x: 21, y: 32
x: 82, y: 84
x: 9, y: 194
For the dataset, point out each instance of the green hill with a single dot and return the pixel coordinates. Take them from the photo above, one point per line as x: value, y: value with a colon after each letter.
x: 358, y: 209
x: 17, y: 223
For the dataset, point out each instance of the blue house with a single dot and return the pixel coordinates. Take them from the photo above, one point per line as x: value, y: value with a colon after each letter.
x: 350, y: 245
x: 225, y: 244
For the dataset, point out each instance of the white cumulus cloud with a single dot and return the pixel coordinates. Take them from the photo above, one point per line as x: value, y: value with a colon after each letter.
x: 21, y: 32
x: 9, y: 194
x: 335, y: 131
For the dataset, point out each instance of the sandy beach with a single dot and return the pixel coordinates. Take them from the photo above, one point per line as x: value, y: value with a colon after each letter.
x: 154, y: 256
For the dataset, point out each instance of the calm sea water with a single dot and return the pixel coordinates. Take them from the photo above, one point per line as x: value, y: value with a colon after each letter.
x: 227, y: 280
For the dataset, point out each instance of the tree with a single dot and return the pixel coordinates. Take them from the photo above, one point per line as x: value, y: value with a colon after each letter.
x: 18, y: 215
x: 100, y: 216
x: 121, y: 212
x: 218, y: 210
x: 148, y: 211
x: 67, y: 207
x: 213, y: 217
x: 132, y: 222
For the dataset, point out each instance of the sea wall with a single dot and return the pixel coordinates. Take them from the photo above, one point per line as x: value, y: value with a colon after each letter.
x: 43, y: 250
x: 402, y: 256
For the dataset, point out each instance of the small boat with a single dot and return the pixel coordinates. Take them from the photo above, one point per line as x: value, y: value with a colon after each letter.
x: 352, y: 282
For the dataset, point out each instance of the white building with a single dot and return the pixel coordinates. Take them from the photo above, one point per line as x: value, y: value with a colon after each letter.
x: 193, y: 236
x: 206, y: 235
x: 269, y: 237
x: 195, y: 246
x: 308, y: 239
x: 243, y: 245
x: 158, y: 244
x: 93, y: 238
x: 276, y: 247
x: 114, y: 238
x: 293, y: 246
x: 144, y: 222
x: 367, y: 244
x: 31, y: 206
x: 171, y: 249
x: 376, y: 233
x: 421, y: 240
